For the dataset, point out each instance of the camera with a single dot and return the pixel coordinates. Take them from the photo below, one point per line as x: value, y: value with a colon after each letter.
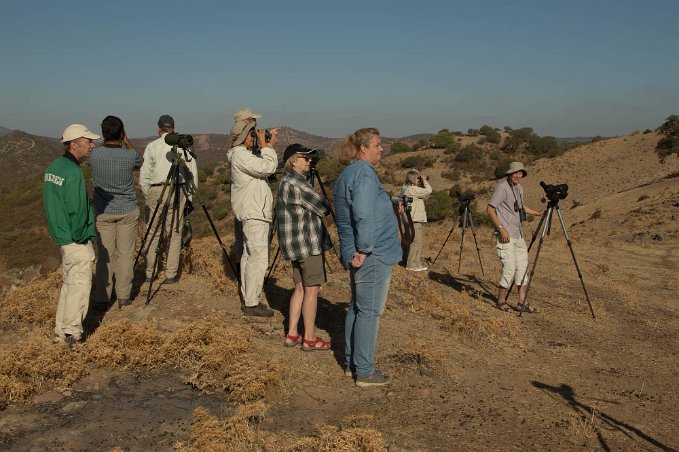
x: 407, y: 202
x: 555, y: 192
x: 466, y: 198
x: 176, y: 139
x: 420, y: 181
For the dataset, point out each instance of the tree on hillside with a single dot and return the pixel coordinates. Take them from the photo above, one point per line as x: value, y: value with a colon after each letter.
x: 399, y: 146
x: 443, y: 140
x: 486, y: 129
x: 669, y: 143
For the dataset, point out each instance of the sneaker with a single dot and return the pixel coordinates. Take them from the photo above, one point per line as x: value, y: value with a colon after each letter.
x: 70, y: 340
x: 349, y: 371
x: 122, y: 302
x: 58, y: 339
x: 416, y: 269
x: 376, y: 379
x: 172, y: 280
x: 260, y: 310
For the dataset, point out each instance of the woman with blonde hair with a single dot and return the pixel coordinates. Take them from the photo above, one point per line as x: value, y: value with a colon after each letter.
x: 416, y: 187
x: 369, y: 247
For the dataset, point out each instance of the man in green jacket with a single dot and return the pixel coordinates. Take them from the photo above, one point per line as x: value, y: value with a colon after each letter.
x: 70, y: 221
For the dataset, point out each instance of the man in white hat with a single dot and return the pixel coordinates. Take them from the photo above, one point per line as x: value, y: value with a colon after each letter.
x: 252, y: 205
x: 506, y: 211
x: 70, y: 221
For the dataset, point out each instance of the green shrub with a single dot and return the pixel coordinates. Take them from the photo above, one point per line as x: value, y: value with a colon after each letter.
x: 468, y: 153
x: 502, y: 168
x: 418, y: 161
x: 329, y: 169
x: 439, y: 206
x: 398, y: 147
x: 669, y: 143
x: 443, y: 139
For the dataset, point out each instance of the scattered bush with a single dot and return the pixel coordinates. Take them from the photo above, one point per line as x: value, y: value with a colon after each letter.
x: 468, y: 153
x: 669, y: 143
x: 501, y: 168
x: 439, y: 206
x: 398, y: 147
x: 418, y: 161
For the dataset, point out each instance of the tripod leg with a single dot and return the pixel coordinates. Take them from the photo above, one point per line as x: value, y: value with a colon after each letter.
x: 577, y: 268
x: 547, y: 222
x: 478, y: 251
x: 214, y: 231
x: 464, y: 226
x: 455, y: 223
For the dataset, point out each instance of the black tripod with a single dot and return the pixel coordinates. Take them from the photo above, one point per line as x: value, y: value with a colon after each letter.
x: 554, y: 193
x: 179, y: 178
x: 463, y: 219
x: 313, y: 176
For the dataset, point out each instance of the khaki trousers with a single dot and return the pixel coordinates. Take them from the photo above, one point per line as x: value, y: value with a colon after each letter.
x: 415, y: 248
x: 116, y: 236
x: 74, y: 299
x: 171, y: 231
x: 254, y: 261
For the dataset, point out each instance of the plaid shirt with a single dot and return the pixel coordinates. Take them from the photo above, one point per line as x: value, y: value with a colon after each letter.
x: 299, y: 213
x: 112, y: 169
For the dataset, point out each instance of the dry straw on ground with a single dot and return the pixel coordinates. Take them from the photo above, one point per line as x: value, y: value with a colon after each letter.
x: 242, y: 432
x: 217, y: 356
x: 28, y: 368
x: 33, y: 304
x: 207, y: 259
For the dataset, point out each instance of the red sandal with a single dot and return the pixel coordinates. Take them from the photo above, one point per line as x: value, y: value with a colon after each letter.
x: 315, y: 344
x: 296, y: 340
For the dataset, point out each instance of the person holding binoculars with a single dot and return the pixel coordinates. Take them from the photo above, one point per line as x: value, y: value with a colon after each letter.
x: 415, y: 187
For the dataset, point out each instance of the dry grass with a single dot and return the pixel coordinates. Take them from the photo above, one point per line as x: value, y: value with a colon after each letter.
x: 242, y: 432
x: 239, y: 432
x: 32, y: 304
x: 217, y: 356
x: 223, y: 357
x: 28, y: 368
x: 456, y: 317
x: 124, y: 345
x: 207, y: 260
x: 583, y: 426
x: 427, y: 355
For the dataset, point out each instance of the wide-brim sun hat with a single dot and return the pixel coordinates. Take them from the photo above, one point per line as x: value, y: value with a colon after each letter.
x: 515, y: 167
x: 245, y: 113
x: 240, y: 131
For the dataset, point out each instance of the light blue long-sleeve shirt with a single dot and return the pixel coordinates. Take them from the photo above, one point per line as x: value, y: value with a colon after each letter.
x: 364, y: 215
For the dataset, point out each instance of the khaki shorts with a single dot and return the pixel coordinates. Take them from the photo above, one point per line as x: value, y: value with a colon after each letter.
x: 310, y: 271
x: 514, y: 259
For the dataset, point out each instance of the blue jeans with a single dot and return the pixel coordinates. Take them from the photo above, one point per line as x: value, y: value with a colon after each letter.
x: 369, y: 288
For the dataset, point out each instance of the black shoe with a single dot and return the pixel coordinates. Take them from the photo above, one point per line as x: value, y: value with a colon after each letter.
x: 260, y: 310
x: 122, y: 302
x: 171, y: 280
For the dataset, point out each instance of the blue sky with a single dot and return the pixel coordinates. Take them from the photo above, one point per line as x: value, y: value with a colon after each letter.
x: 565, y: 68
